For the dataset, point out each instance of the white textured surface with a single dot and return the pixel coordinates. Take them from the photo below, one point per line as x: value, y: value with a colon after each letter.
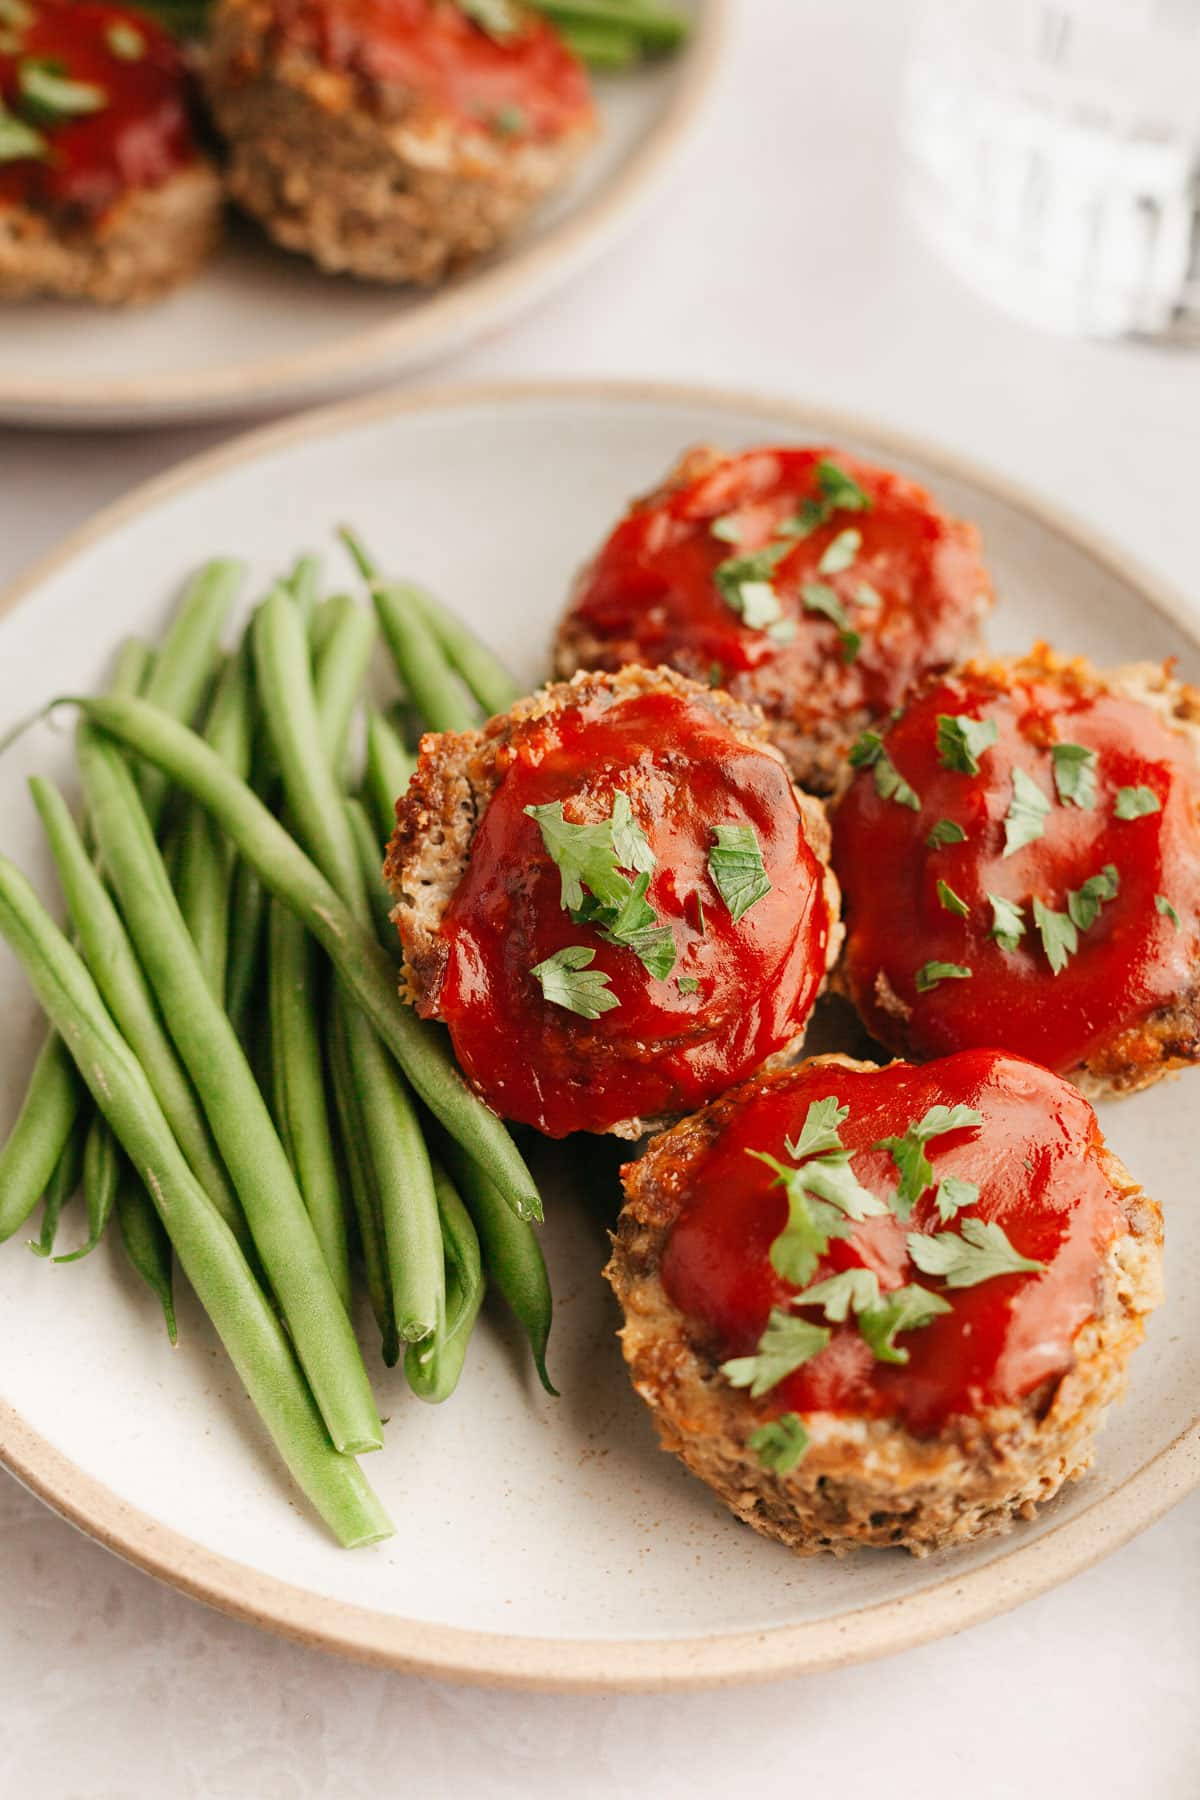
x: 791, y: 271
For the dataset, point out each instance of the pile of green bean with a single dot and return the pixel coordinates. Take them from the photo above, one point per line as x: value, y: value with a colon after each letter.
x: 231, y: 1071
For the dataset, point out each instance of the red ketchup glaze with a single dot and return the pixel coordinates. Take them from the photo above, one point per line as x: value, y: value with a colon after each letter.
x: 1033, y: 1160
x: 651, y: 598
x: 1131, y: 961
x: 140, y: 138
x: 526, y: 86
x: 661, y: 1050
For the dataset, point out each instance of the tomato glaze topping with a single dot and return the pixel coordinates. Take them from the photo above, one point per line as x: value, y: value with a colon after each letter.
x: 738, y: 991
x: 529, y: 85
x: 1034, y: 1161
x: 909, y: 592
x: 139, y: 134
x: 1131, y: 960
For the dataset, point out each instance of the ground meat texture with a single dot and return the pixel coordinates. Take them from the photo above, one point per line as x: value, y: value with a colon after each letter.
x: 395, y: 140
x: 104, y: 194
x: 1042, y: 889
x: 1000, y: 1395
x: 481, y: 902
x: 807, y: 581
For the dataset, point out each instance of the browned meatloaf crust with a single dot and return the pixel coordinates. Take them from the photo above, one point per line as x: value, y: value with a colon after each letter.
x: 868, y: 1481
x: 455, y: 779
x: 356, y: 174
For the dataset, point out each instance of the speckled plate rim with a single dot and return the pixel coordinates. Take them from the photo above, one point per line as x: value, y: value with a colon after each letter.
x: 447, y: 320
x: 1023, y: 1570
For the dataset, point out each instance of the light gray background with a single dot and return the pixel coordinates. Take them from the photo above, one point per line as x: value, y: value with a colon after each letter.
x: 782, y: 261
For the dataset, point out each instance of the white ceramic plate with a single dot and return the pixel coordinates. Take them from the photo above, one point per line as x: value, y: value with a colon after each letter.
x: 260, y: 328
x: 544, y: 1542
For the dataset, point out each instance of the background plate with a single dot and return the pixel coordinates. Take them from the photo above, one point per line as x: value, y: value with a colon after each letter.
x: 261, y: 328
x: 541, y: 1542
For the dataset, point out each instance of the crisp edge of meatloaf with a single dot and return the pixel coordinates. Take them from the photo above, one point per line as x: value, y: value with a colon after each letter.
x: 390, y: 192
x: 814, y: 745
x: 869, y: 1481
x: 1166, y: 1040
x: 457, y: 775
x: 148, y: 242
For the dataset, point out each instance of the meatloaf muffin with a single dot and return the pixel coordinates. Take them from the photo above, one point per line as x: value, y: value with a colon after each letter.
x: 807, y: 581
x: 395, y: 140
x: 615, y: 899
x: 1037, y: 825
x: 884, y: 1306
x: 104, y: 194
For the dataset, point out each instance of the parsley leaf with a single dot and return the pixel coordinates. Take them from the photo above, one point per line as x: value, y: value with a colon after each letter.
x: 745, y: 585
x: 786, y: 1343
x: 891, y: 785
x: 818, y: 598
x: 124, y: 42
x: 780, y: 1444
x: 820, y: 1131
x: 18, y: 140
x: 583, y: 854
x: 568, y: 981
x: 908, y: 1152
x: 501, y: 19
x: 866, y: 750
x: 629, y: 840
x: 1136, y: 802
x: 840, y: 552
x: 1025, y: 820
x: 1074, y: 774
x: 952, y: 1195
x: 1167, y: 910
x: 982, y: 1252
x: 50, y: 97
x: 823, y: 1195
x: 857, y: 1288
x: 961, y: 741
x: 687, y: 984
x: 1060, y: 940
x: 735, y: 863
x: 930, y: 973
x: 904, y: 1309
x: 1008, y: 922
x: 633, y: 926
x: 951, y: 902
x: 839, y: 489
x: 946, y: 832
x: 1084, y: 903
x: 728, y: 528
x: 865, y: 595
x: 587, y: 856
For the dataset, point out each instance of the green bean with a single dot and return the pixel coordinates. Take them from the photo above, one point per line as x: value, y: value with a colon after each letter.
x: 361, y: 962
x: 298, y: 1087
x: 511, y: 1252
x: 146, y: 1243
x: 237, y: 1113
x: 304, y: 584
x: 184, y: 666
x: 62, y: 1186
x: 115, y: 967
x: 370, y: 861
x: 434, y: 1366
x: 485, y: 675
x: 203, y: 1242
x: 430, y: 682
x: 388, y: 772
x: 38, y: 1138
x: 132, y: 667
x: 394, y: 1141
x: 362, y: 1186
x: 651, y: 27
x: 101, y: 1173
x: 610, y: 49
x: 247, y: 913
x: 339, y: 672
x: 204, y: 876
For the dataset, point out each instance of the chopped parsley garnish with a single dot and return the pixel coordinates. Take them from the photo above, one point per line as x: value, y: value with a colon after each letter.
x: 867, y: 596
x: 1074, y: 774
x: 568, y: 980
x: 510, y: 121
x: 727, y: 529
x: 982, y: 1252
x: 930, y: 973
x: 840, y: 552
x: 904, y: 1309
x: 501, y: 19
x: 1025, y: 820
x: 857, y: 1288
x: 1060, y: 940
x: 1136, y: 802
x: 952, y: 902
x: 821, y: 1130
x: 953, y: 1193
x: 786, y: 1343
x: 866, y: 749
x: 16, y: 13
x: 593, y: 858
x: 837, y: 492
x: 1008, y: 922
x: 908, y: 1152
x: 820, y: 598
x: 125, y: 42
x: 49, y: 96
x: 735, y: 863
x: 583, y: 855
x: 867, y: 752
x: 780, y: 1444
x: 633, y: 925
x: 961, y: 741
x: 630, y: 842
x: 1167, y: 910
x: 687, y: 984
x: 19, y: 141
x: 1083, y: 904
x: 823, y: 1192
x: 946, y: 832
